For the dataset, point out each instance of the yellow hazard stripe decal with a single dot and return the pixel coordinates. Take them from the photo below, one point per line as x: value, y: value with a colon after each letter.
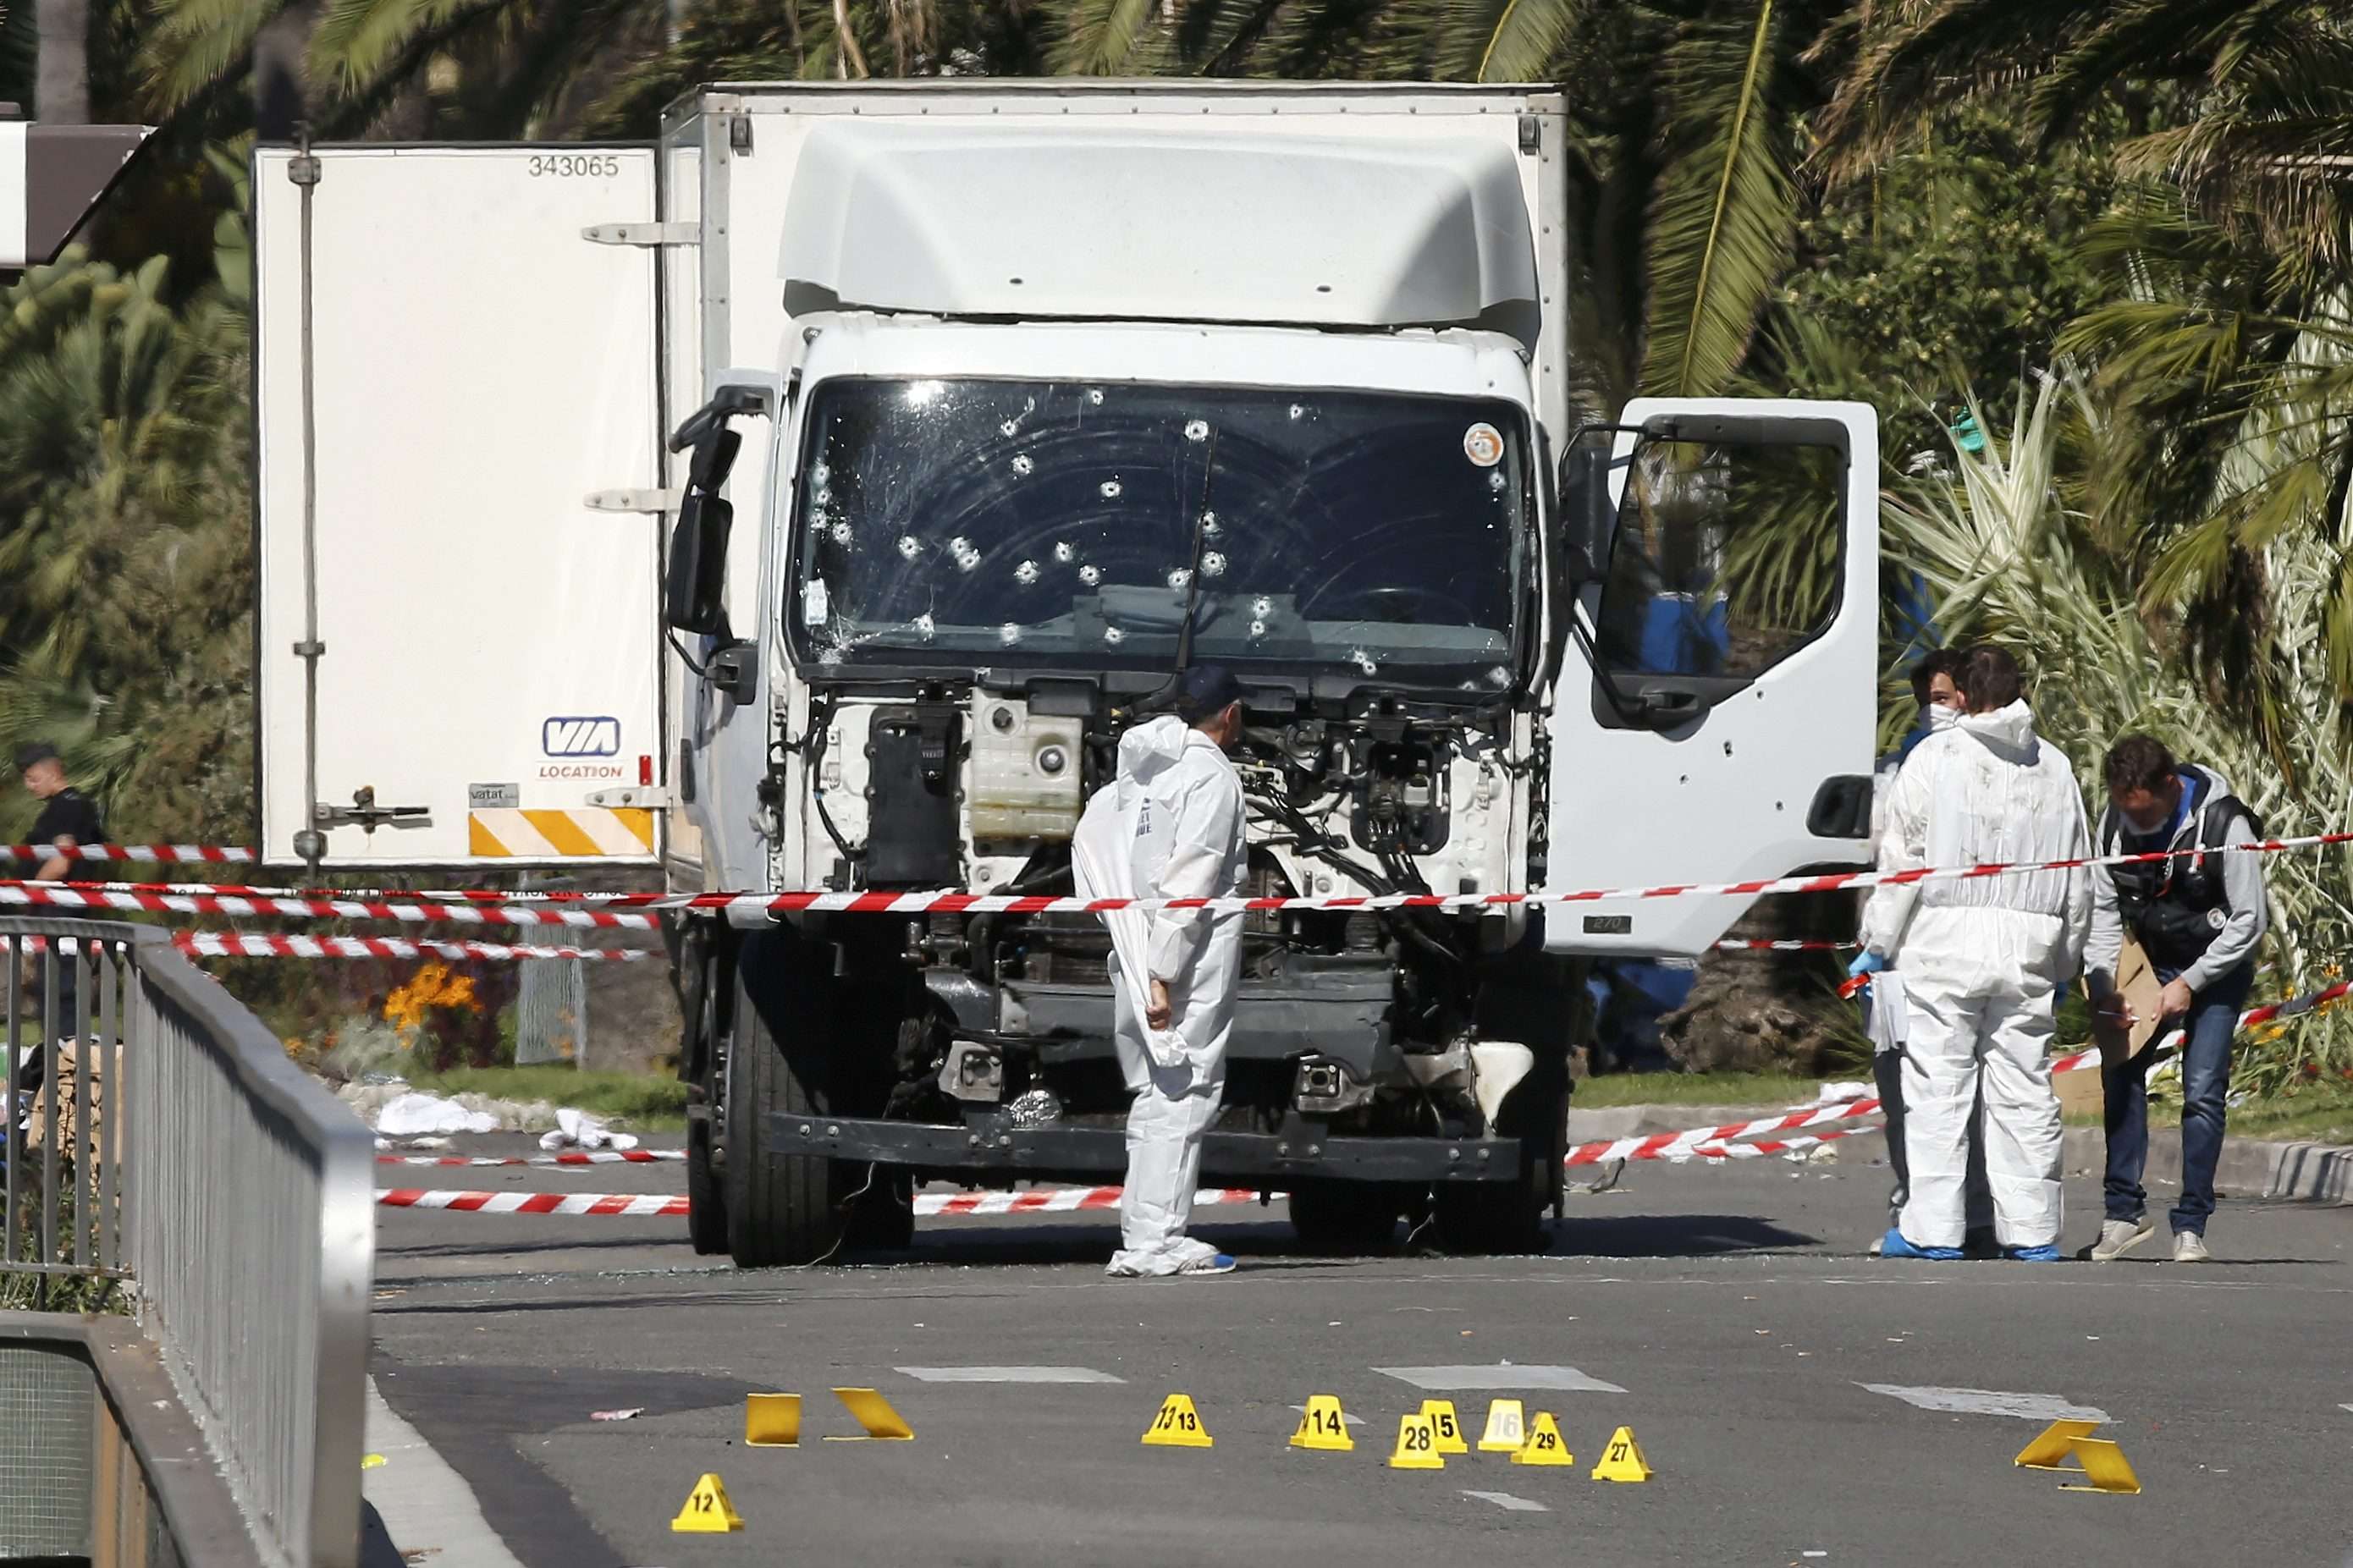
x: 586, y: 833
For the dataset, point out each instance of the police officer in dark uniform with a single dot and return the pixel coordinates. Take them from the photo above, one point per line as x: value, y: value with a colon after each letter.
x: 2198, y: 917
x: 67, y: 821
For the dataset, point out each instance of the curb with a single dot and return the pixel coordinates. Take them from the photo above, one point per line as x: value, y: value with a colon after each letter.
x: 2249, y: 1168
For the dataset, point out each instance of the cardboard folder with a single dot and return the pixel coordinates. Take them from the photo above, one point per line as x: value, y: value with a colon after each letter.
x: 2137, y: 984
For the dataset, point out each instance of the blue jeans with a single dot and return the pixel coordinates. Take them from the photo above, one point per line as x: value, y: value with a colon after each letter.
x: 2212, y: 1024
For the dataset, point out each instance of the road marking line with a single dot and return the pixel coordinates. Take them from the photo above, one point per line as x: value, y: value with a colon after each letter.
x: 2044, y: 1407
x: 1440, y: 1379
x: 1007, y: 1374
x: 1506, y: 1501
x: 425, y: 1504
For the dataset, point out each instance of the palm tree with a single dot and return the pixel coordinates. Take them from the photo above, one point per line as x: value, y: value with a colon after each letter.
x: 2229, y: 435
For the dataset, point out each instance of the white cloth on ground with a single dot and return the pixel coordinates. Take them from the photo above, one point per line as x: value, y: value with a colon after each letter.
x: 1982, y: 959
x: 577, y: 1128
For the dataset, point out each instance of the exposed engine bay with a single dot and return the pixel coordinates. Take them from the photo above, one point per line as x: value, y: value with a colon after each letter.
x: 1372, y: 1023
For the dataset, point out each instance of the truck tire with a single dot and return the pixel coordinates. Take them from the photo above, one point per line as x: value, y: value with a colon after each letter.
x: 1508, y: 1216
x: 1345, y: 1219
x: 781, y: 1208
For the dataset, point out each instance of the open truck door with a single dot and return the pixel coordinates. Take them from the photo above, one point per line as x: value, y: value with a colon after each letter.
x: 459, y: 432
x: 1714, y: 714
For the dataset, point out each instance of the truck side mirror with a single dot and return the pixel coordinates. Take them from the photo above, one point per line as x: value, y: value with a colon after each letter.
x: 713, y: 459
x: 694, y: 596
x: 1587, y: 518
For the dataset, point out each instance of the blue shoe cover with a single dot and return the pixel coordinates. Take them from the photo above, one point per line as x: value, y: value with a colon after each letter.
x: 2032, y: 1254
x: 1895, y: 1246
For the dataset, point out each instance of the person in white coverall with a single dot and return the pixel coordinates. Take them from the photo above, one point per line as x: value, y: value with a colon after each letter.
x: 1170, y: 826
x: 1983, y: 959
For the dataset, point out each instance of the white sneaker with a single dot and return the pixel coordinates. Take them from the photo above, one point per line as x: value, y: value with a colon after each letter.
x: 2119, y: 1237
x: 2188, y: 1246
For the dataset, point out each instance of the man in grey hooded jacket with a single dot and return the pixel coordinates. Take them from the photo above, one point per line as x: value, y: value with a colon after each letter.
x: 2199, y: 919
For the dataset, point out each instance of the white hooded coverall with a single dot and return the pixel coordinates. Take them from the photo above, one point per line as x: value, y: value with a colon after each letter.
x: 1982, y: 959
x: 1168, y: 826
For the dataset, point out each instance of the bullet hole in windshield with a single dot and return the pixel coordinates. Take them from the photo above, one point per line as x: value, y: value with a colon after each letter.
x: 910, y: 546
x: 1113, y: 635
x: 843, y: 533
x: 1261, y: 605
x: 1008, y: 633
x: 924, y: 627
x: 1498, y: 675
x: 1022, y: 464
x: 1495, y: 480
x: 1095, y: 396
x: 1213, y: 565
x: 1210, y: 527
x: 1065, y: 551
x: 819, y: 475
x: 1110, y: 489
x: 1010, y: 429
x: 1258, y: 628
x: 1180, y: 578
x: 1297, y: 410
x: 1364, y: 661
x: 1025, y: 573
x: 822, y: 496
x: 1197, y: 429
x: 966, y: 556
x: 1090, y: 575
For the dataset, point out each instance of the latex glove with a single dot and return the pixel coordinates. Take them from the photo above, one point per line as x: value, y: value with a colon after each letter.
x: 1866, y: 963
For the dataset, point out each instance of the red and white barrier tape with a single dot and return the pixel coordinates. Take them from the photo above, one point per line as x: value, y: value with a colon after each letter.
x: 1672, y: 1146
x: 571, y: 1158
x: 63, y: 895
x: 610, y: 1205
x: 609, y: 911
x: 1003, y: 903
x: 1050, y: 1200
x: 240, y: 944
x: 165, y: 853
x: 1736, y: 945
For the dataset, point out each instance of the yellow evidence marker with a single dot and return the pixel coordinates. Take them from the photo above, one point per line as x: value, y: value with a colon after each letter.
x: 772, y: 1420
x: 1621, y: 1459
x: 1416, y: 1445
x: 1544, y: 1445
x: 707, y: 1510
x: 882, y: 1423
x: 1443, y: 1422
x: 1506, y: 1427
x: 2105, y: 1466
x: 1323, y: 1424
x: 1178, y: 1426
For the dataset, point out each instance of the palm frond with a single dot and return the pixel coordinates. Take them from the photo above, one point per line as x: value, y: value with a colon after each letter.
x: 1726, y: 208
x: 1503, y: 40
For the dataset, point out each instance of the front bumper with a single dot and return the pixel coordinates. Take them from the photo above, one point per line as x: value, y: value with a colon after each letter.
x: 1299, y: 1153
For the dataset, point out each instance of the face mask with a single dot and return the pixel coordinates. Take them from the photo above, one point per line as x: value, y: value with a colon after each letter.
x: 1943, y: 718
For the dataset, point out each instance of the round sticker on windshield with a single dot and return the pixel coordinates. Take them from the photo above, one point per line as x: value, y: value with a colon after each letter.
x: 1483, y: 445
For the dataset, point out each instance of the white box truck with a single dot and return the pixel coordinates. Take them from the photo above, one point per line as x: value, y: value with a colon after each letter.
x: 809, y: 500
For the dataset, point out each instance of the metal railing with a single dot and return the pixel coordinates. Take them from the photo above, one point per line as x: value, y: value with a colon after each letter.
x: 169, y: 1143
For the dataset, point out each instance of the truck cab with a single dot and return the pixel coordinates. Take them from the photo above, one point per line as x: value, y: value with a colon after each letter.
x: 1047, y: 392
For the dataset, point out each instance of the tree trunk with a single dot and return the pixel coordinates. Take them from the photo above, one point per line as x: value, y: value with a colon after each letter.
x: 61, y: 80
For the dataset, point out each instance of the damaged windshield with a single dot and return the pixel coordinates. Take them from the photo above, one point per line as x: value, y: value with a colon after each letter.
x: 985, y: 521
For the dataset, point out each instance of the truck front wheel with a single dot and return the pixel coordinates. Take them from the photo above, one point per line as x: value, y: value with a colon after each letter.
x: 781, y: 1208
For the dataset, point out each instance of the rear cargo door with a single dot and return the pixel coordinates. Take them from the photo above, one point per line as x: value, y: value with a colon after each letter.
x: 1714, y: 715
x: 447, y: 372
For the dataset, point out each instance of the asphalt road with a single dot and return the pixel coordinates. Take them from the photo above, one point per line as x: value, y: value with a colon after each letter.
x: 1796, y: 1397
